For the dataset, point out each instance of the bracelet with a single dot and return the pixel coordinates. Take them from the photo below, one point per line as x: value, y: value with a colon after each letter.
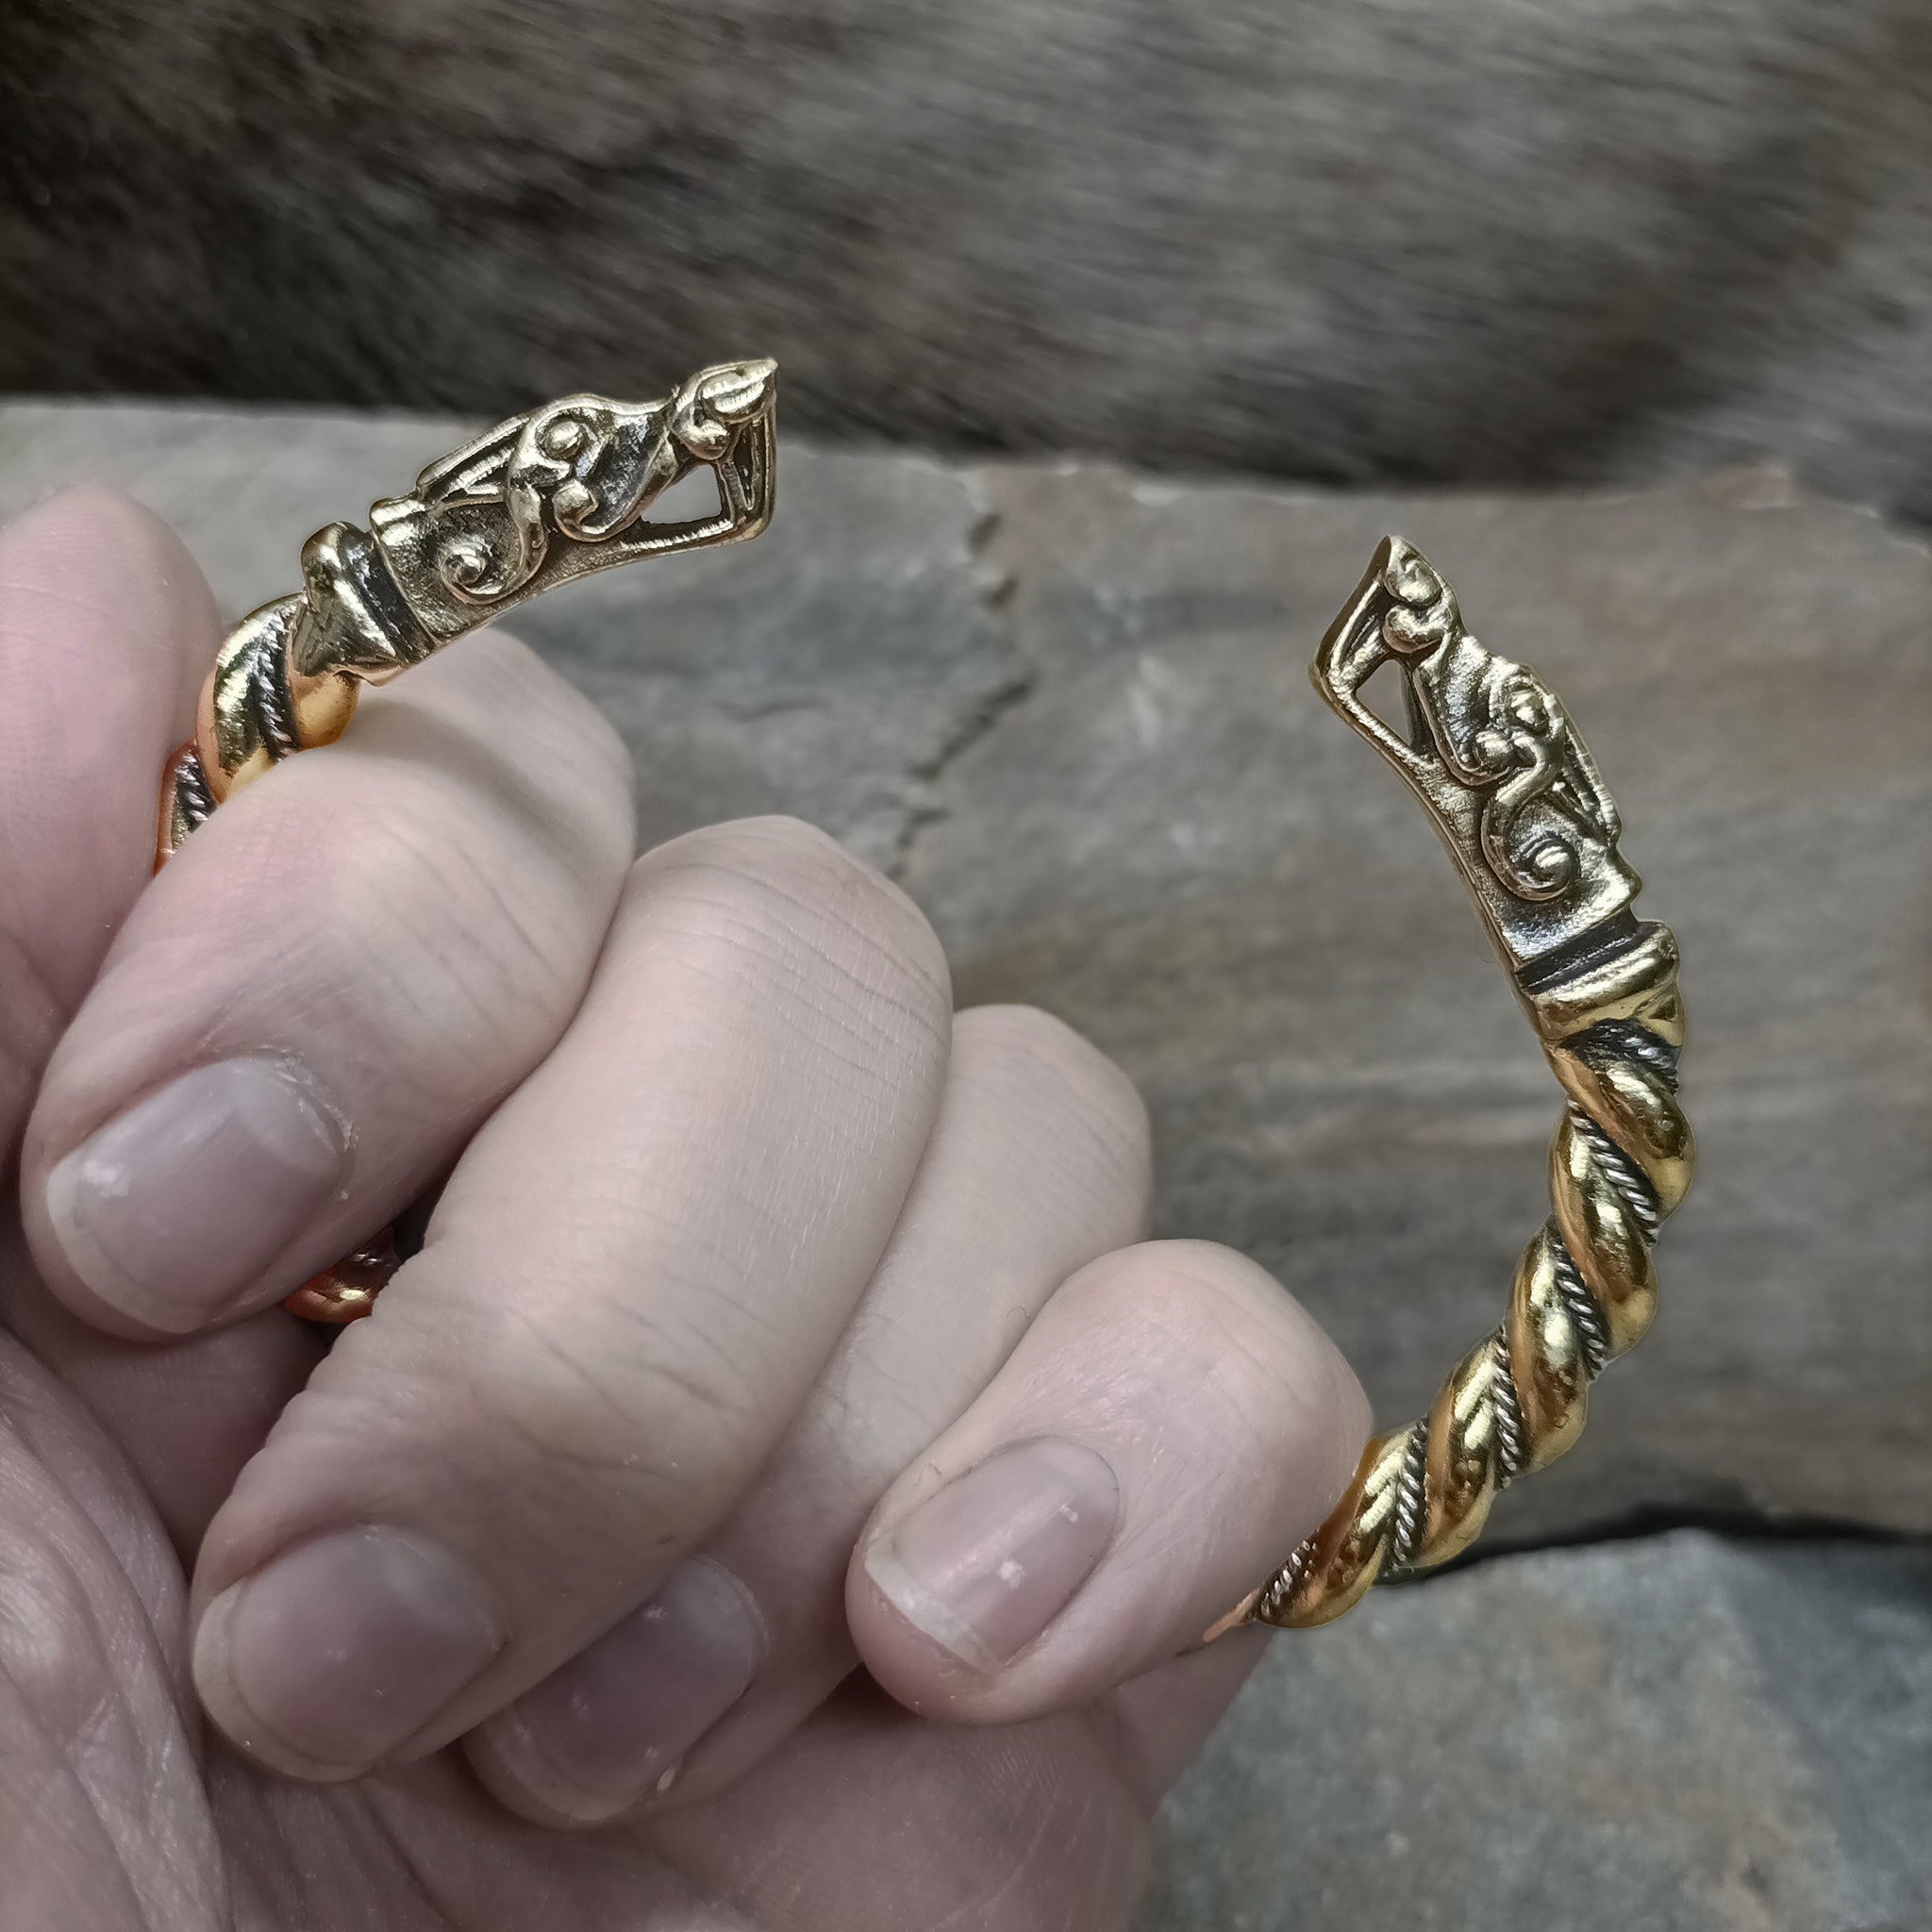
x: 1519, y: 805
x: 1515, y: 796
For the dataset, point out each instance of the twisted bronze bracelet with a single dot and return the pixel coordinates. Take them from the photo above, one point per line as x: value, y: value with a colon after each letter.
x: 1519, y: 805
x: 564, y: 490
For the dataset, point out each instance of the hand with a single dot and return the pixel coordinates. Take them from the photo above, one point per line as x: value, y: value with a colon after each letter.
x: 772, y: 1320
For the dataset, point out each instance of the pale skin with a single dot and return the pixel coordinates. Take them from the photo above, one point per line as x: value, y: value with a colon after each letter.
x: 787, y: 1490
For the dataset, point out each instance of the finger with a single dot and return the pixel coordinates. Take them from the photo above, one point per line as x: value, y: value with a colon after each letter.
x: 186, y: 1413
x: 869, y: 1822
x: 1038, y: 1162
x: 1161, y: 1719
x: 321, y: 996
x: 632, y: 1279
x: 1171, y: 1426
x: 106, y: 629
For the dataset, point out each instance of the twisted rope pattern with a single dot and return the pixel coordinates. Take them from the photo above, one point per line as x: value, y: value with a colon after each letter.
x: 248, y: 719
x: 1522, y: 808
x: 1585, y: 1291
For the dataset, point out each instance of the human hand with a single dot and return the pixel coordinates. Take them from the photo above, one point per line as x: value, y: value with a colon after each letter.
x: 771, y: 1321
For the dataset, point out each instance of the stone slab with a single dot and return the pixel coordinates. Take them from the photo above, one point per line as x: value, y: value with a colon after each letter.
x: 1172, y: 843
x: 1673, y: 1734
x: 1068, y: 705
x: 824, y: 669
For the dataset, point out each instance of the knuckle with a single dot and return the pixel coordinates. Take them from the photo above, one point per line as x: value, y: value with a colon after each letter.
x: 557, y: 1403
x: 457, y: 949
x: 560, y: 730
x: 573, y: 1448
x: 1036, y: 1044
x: 440, y: 926
x: 111, y: 573
x: 89, y: 520
x: 1208, y: 1318
x: 560, y: 788
x: 1030, y: 1055
x: 777, y: 890
x: 607, y: 1415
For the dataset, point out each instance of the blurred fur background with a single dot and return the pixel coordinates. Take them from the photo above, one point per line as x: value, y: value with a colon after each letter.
x: 1338, y: 240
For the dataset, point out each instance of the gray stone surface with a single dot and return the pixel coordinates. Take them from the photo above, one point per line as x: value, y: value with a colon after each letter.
x: 1069, y: 707
x: 1332, y: 239
x: 824, y: 669
x: 1172, y: 841
x: 1672, y: 1735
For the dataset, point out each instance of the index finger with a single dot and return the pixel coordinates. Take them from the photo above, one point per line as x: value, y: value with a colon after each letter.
x: 106, y: 629
x: 325, y: 991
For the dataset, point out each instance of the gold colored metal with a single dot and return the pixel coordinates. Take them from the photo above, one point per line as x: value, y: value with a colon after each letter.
x: 538, y: 501
x: 346, y: 1292
x: 1521, y: 809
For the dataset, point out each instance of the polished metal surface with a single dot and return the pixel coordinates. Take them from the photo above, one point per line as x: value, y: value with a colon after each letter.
x: 536, y: 502
x: 1523, y: 812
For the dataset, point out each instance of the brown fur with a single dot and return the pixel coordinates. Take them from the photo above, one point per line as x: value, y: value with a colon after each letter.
x: 1334, y: 238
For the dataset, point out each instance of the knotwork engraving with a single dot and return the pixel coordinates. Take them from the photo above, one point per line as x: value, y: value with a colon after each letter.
x: 1489, y: 749
x: 545, y: 498
x: 1519, y: 805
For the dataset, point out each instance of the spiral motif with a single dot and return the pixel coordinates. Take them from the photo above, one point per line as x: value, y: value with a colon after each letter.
x: 1521, y: 809
x: 540, y: 500
x: 1585, y: 1291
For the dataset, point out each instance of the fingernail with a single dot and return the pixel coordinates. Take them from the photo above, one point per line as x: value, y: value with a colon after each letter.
x: 170, y: 1211
x: 337, y: 1652
x: 612, y: 1727
x: 984, y: 1566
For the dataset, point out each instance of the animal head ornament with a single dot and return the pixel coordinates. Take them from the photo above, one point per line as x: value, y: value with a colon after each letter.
x: 1489, y: 750
x: 538, y: 501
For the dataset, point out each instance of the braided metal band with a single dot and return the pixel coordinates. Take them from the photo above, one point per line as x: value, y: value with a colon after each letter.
x: 540, y: 500
x: 1521, y: 806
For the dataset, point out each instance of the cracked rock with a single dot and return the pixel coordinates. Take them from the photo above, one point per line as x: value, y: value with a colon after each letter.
x: 1174, y: 844
x: 1070, y: 706
x: 826, y: 669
